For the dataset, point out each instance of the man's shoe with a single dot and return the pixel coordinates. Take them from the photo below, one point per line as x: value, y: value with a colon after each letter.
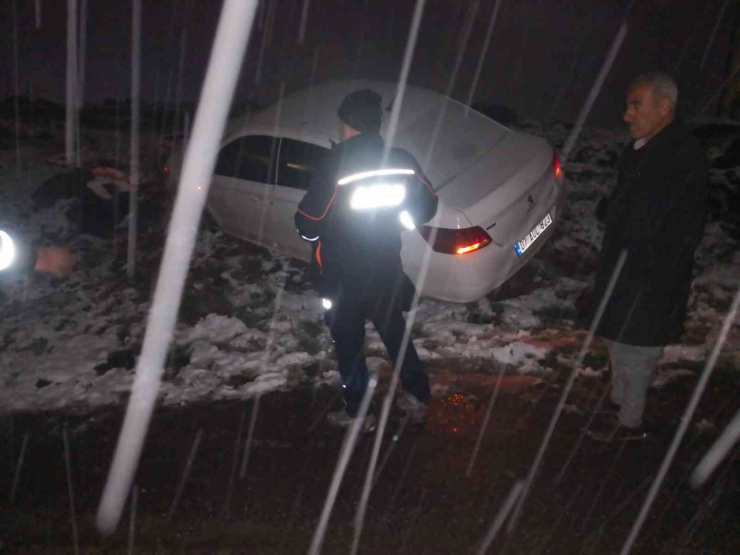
x: 414, y: 409
x: 341, y: 419
x: 620, y: 435
x: 609, y: 430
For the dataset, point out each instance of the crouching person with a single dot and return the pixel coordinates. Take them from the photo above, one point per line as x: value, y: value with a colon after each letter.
x: 354, y: 212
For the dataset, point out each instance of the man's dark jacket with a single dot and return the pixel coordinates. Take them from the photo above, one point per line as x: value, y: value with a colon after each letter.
x: 356, y: 254
x: 656, y: 214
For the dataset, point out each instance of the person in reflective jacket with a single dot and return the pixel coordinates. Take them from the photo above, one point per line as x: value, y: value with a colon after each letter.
x: 19, y: 257
x: 356, y: 208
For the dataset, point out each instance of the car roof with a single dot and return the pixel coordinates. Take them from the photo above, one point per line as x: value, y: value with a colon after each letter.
x: 461, y: 138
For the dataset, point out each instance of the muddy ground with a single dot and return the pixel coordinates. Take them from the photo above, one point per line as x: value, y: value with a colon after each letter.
x: 422, y: 503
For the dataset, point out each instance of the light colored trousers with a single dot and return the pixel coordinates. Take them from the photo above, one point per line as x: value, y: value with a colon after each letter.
x: 633, y: 368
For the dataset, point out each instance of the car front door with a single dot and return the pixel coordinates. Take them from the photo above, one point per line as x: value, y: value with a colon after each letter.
x: 298, y: 161
x: 241, y: 186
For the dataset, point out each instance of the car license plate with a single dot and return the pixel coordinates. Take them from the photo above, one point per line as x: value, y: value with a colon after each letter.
x: 531, y: 237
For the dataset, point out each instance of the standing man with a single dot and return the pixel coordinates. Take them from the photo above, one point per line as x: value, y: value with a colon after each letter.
x: 353, y: 213
x: 655, y: 216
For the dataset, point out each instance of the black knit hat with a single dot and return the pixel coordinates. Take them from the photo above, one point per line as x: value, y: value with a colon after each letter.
x: 361, y: 111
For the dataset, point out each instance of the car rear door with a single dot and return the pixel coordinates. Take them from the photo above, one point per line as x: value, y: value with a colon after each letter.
x: 298, y: 161
x: 241, y: 186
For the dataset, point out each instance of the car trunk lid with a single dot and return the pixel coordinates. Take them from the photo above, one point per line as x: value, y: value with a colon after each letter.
x: 506, y: 191
x: 446, y: 137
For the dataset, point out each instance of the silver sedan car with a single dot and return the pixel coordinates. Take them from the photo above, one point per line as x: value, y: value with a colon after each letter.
x: 500, y: 191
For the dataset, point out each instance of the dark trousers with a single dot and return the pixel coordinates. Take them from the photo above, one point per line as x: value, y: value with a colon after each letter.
x: 346, y: 321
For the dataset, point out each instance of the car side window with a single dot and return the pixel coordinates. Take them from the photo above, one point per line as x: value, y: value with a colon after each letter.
x: 298, y: 161
x: 250, y: 158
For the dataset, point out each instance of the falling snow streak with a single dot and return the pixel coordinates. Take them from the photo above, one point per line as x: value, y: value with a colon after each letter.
x: 462, y: 47
x: 563, y: 512
x: 577, y: 446
x: 386, y: 515
x: 370, y: 480
x: 717, y: 453
x: 595, y: 90
x: 486, y: 419
x: 358, y: 56
x: 419, y: 285
x: 719, y: 488
x: 714, y: 34
x: 408, y: 56
x: 498, y: 522
x: 314, y: 65
x: 132, y: 521
x: 304, y: 20
x: 513, y: 83
x: 186, y: 131
x: 133, y: 198
x: 19, y: 468
x: 483, y: 52
x: 70, y: 489
x: 261, y: 59
x: 394, y: 441
x: 575, y: 71
x: 686, y: 44
x: 270, y: 21
x: 685, y: 419
x: 232, y: 34
x: 348, y: 447
x: 234, y: 464
x: 265, y: 209
x: 719, y: 90
x: 185, y: 473
x: 82, y: 55
x: 250, y: 437
x: 165, y: 110
x: 386, y: 407
x: 289, y: 525
x: 593, y: 541
x: 603, y: 480
x: 566, y: 390
x: 16, y: 107
x: 178, y: 87
x: 80, y: 93
x: 71, y: 93
x: 414, y: 518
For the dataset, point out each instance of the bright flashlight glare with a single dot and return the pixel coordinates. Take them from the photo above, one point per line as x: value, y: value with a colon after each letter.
x: 375, y: 173
x: 406, y: 220
x: 326, y: 304
x: 377, y: 196
x: 7, y: 250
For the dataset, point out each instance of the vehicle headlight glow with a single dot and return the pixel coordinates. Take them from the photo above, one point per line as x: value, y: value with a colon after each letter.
x: 377, y: 196
x: 7, y: 250
x: 406, y: 220
x: 326, y: 303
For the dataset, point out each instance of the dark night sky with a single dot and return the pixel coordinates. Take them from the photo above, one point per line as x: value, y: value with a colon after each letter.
x: 539, y: 47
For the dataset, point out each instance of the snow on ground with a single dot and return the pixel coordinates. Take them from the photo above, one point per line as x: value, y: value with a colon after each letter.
x: 250, y: 322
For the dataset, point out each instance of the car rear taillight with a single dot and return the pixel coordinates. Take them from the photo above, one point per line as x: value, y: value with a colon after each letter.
x: 455, y: 241
x: 166, y: 171
x: 556, y: 169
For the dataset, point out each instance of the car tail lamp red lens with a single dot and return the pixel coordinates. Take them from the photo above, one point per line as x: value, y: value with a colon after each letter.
x: 556, y: 169
x: 455, y: 241
x: 166, y: 170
